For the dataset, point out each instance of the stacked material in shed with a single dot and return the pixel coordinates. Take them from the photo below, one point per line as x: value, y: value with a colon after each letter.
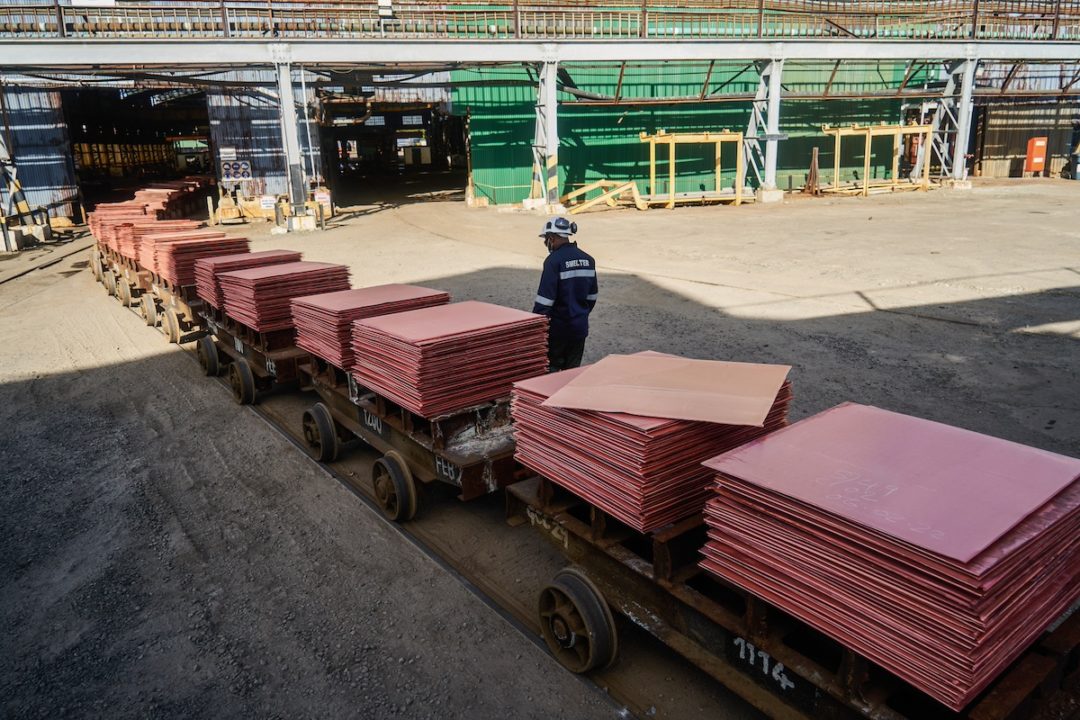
x: 158, y: 199
x: 207, y: 269
x: 175, y: 253
x: 129, y: 235
x: 259, y: 297
x: 105, y: 219
x: 443, y: 359
x: 936, y: 552
x: 644, y: 471
x: 324, y: 322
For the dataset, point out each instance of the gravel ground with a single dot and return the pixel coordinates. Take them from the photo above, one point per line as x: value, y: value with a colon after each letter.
x: 166, y: 553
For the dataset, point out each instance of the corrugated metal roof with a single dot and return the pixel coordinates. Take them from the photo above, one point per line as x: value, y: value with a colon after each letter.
x: 41, y: 149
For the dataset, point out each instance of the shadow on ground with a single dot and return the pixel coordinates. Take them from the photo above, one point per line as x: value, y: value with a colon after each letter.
x: 165, y: 554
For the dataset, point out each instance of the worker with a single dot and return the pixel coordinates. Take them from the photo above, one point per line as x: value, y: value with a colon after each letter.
x: 567, y: 294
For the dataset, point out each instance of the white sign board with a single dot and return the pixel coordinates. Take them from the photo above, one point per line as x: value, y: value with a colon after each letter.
x: 227, y: 153
x: 267, y: 202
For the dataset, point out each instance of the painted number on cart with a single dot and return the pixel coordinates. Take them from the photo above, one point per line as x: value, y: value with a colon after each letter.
x: 372, y: 421
x: 761, y: 660
x: 238, y: 345
x: 270, y: 367
x: 447, y: 470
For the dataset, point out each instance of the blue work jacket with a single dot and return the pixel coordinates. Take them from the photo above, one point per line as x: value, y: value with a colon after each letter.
x: 568, y: 291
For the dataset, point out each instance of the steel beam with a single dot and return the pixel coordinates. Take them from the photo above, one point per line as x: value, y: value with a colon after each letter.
x: 546, y: 137
x: 963, y: 121
x: 772, y: 124
x: 234, y: 52
x: 290, y: 134
x: 551, y: 126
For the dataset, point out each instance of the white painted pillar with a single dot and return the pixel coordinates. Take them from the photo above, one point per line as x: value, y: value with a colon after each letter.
x: 551, y: 131
x: 963, y: 121
x: 290, y: 138
x: 772, y: 123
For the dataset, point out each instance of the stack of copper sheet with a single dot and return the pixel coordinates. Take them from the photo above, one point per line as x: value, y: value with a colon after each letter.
x: 324, y: 322
x: 207, y: 269
x: 443, y: 359
x: 148, y: 254
x: 644, y: 471
x: 129, y: 235
x: 259, y: 297
x: 175, y: 253
x: 936, y: 552
x: 107, y: 217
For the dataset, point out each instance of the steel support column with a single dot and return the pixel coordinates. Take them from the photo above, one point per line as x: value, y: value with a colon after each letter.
x: 290, y: 137
x: 546, y: 138
x: 772, y: 124
x: 963, y: 121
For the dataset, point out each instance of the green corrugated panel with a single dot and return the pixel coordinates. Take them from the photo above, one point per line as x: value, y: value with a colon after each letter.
x: 602, y: 142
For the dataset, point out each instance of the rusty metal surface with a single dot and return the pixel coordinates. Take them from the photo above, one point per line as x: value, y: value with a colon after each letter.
x: 471, y: 450
x: 724, y: 630
x: 747, y: 19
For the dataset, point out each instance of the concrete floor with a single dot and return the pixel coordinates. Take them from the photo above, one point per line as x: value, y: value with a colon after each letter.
x: 166, y: 553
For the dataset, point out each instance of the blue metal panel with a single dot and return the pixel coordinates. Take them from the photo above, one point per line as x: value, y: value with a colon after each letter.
x: 33, y: 121
x: 248, y: 120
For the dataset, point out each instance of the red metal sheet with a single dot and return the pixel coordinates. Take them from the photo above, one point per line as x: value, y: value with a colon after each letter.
x: 947, y: 625
x: 646, y: 472
x: 655, y: 385
x: 324, y: 322
x: 207, y: 269
x: 442, y: 359
x: 260, y: 297
x: 941, y: 488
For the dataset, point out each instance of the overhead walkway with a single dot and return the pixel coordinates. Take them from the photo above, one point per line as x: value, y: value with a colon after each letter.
x: 994, y: 20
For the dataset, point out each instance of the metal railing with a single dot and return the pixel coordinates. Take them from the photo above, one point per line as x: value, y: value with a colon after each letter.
x: 1012, y: 20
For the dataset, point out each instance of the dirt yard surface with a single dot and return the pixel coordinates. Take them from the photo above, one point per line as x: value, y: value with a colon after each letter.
x: 168, y: 553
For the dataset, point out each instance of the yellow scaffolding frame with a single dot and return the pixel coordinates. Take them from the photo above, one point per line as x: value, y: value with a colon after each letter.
x: 612, y: 192
x: 706, y: 138
x: 869, y: 132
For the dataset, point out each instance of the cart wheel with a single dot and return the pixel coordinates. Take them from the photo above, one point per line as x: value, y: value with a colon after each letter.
x: 95, y: 266
x: 394, y: 488
x: 242, y: 382
x: 576, y: 623
x: 148, y: 309
x: 320, y: 432
x: 170, y: 325
x: 109, y: 282
x: 123, y: 292
x: 207, y: 353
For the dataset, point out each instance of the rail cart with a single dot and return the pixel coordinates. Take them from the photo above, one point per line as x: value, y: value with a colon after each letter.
x: 177, y: 308
x: 124, y: 278
x: 779, y: 664
x: 254, y: 361
x: 471, y: 449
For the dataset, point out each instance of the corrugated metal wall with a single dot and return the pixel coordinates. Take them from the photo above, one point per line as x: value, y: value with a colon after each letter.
x: 602, y: 142
x: 1007, y: 131
x: 249, y: 121
x: 41, y: 149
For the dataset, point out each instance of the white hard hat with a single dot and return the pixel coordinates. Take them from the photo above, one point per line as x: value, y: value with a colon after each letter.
x: 559, y: 226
